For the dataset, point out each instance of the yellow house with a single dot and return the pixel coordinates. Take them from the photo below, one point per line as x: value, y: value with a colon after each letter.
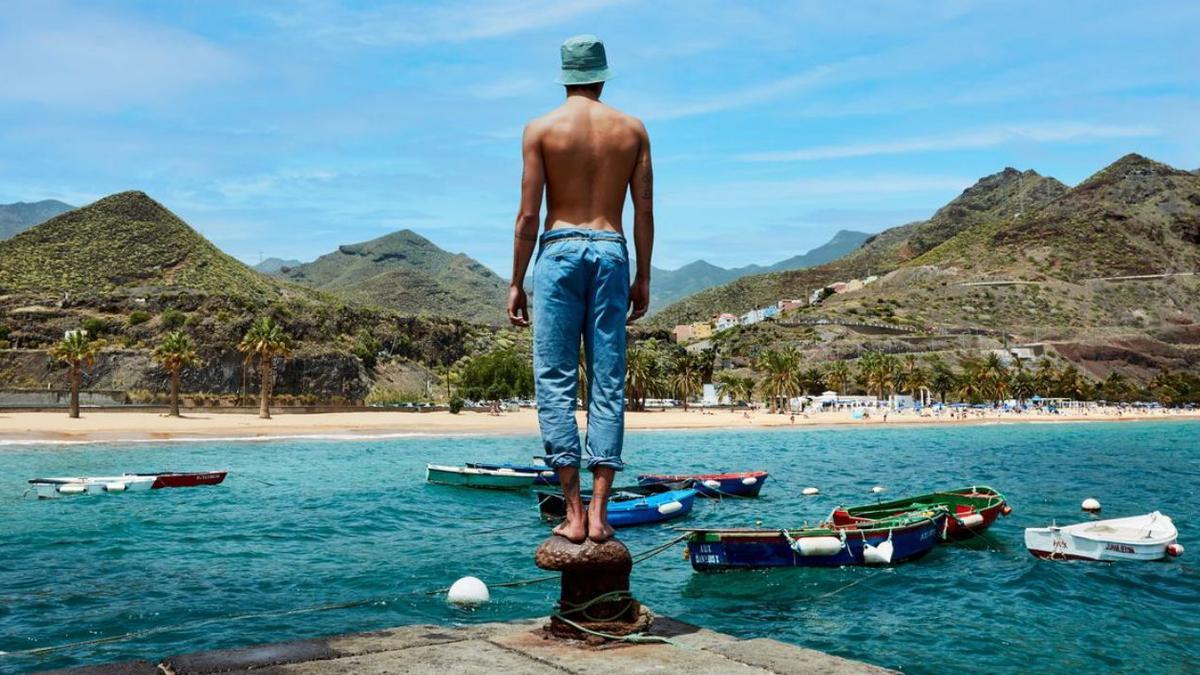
x: 702, y: 330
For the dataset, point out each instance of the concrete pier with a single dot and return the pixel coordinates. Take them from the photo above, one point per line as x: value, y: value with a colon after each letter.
x: 517, y: 647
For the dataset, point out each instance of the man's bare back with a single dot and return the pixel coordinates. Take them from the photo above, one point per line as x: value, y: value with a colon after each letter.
x: 589, y: 153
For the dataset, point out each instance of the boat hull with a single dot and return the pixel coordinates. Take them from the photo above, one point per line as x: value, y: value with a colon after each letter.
x: 628, y: 507
x: 716, y: 550
x: 972, y: 509
x: 479, y: 478
x: 53, y: 488
x: 744, y: 484
x: 182, y: 480
x: 1097, y: 542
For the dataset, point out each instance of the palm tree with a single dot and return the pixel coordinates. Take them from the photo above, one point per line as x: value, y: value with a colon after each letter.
x: 1045, y: 377
x: 943, y: 379
x: 837, y: 376
x: 781, y: 378
x: 175, y: 353
x: 640, y: 374
x: 995, y: 377
x: 1022, y: 385
x: 877, y: 373
x: 725, y: 383
x: 686, y: 378
x: 78, y: 352
x: 265, y: 340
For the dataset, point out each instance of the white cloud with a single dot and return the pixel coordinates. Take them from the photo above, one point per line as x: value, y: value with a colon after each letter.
x: 59, y: 55
x: 425, y: 23
x: 759, y: 93
x: 1050, y: 132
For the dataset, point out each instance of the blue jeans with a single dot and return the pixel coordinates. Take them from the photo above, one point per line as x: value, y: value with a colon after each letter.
x: 580, y: 292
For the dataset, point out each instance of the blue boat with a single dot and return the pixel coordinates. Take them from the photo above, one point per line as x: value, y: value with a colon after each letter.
x: 887, y: 541
x: 627, y: 506
x: 545, y: 475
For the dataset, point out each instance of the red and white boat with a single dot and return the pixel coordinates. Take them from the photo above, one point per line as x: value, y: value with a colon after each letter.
x: 1147, y: 537
x: 180, y: 479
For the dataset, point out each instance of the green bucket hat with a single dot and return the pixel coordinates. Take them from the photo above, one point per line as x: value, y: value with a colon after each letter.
x: 584, y: 61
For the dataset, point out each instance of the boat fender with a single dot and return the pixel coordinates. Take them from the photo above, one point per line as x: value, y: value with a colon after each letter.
x: 1091, y: 504
x: 749, y: 480
x: 1175, y: 550
x: 822, y: 546
x: 970, y: 520
x: 670, y: 507
x: 712, y: 484
x: 877, y: 489
x: 115, y: 487
x: 878, y: 555
x: 468, y: 591
x: 1007, y: 510
x: 71, y: 489
x: 810, y: 491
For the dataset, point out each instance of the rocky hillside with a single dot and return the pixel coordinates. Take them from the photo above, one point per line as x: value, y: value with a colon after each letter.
x: 129, y: 270
x: 668, y: 286
x: 406, y: 272
x: 275, y: 265
x: 995, y: 198
x: 18, y: 217
x: 1104, y: 273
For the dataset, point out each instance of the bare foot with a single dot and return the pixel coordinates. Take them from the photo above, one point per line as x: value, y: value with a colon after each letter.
x: 598, y: 529
x: 574, y: 531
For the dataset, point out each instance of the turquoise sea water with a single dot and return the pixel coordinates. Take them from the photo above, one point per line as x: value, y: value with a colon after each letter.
x: 348, y: 520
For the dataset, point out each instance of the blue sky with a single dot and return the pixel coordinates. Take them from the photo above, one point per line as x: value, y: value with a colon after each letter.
x: 288, y: 128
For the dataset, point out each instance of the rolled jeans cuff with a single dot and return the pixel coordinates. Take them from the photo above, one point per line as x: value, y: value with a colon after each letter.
x: 613, y: 463
x: 562, y: 460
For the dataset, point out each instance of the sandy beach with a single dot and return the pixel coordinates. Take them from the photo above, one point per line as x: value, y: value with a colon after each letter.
x: 114, y: 426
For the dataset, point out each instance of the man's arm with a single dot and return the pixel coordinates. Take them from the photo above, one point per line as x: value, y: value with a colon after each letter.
x: 533, y: 181
x: 641, y: 188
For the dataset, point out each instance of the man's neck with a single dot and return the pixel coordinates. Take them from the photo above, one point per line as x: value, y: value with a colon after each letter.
x: 589, y: 95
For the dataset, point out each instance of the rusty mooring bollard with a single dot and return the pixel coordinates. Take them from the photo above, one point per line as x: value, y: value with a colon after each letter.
x: 591, y: 571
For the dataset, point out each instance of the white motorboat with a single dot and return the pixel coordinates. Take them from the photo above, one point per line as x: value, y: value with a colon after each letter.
x: 1147, y: 537
x: 53, y: 488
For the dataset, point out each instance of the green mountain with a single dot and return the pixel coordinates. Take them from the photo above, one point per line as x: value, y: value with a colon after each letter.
x: 275, y: 265
x: 20, y: 216
x: 1135, y: 216
x: 408, y: 273
x: 124, y: 241
x: 995, y: 198
x: 667, y: 286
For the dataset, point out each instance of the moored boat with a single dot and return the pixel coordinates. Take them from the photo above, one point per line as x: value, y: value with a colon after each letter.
x: 545, y: 475
x: 53, y: 488
x: 639, y: 505
x: 736, y: 484
x: 181, y: 479
x: 971, y: 510
x: 887, y: 541
x: 1151, y: 536
x: 490, y: 479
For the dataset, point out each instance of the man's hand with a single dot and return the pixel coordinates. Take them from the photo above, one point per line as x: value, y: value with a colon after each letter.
x: 639, y: 298
x: 518, y: 307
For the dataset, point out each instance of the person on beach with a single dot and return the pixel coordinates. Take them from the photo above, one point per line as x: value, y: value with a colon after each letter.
x: 584, y: 155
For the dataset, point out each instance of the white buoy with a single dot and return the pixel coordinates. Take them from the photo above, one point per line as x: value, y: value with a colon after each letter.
x: 749, y: 480
x: 878, y: 555
x: 877, y: 489
x: 670, y: 507
x: 810, y: 491
x: 468, y: 591
x: 1090, y: 504
x: 712, y: 484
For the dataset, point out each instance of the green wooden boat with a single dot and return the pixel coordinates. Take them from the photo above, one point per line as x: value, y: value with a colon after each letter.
x: 972, y: 509
x: 475, y: 477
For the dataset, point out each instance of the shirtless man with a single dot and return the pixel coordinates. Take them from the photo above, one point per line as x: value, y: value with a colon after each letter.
x: 584, y: 155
